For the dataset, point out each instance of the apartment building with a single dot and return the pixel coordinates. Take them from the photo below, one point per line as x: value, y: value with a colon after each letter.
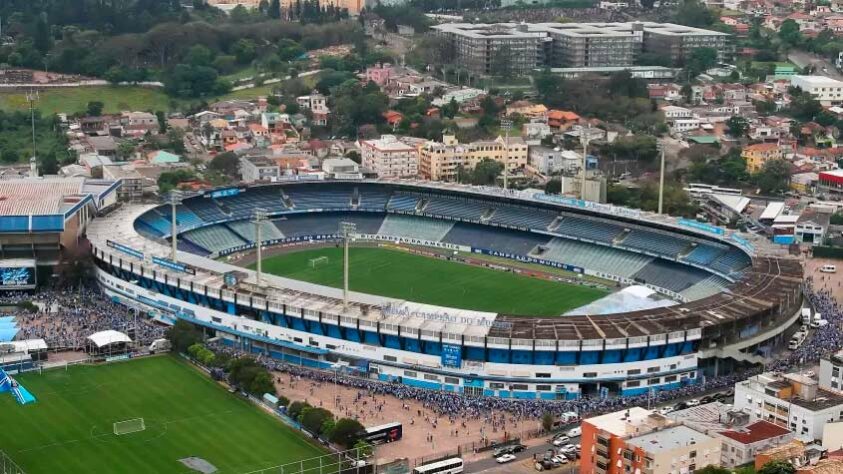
x: 760, y: 153
x: 825, y: 90
x: 442, y: 161
x: 639, y: 440
x: 793, y: 401
x: 389, y: 157
x: 258, y: 168
x: 522, y: 47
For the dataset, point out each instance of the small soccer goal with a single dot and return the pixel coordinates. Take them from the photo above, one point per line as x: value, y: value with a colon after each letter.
x: 129, y: 426
x: 317, y: 262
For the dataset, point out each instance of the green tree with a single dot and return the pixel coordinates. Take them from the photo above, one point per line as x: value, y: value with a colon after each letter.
x: 183, y: 335
x: 789, y: 33
x: 289, y: 50
x: 547, y: 422
x: 777, y: 467
x: 364, y: 448
x: 227, y: 164
x: 9, y: 156
x: 261, y: 383
x: 553, y: 186
x: 711, y: 469
x: 162, y: 121
x: 486, y: 172
x: 774, y: 177
x: 700, y: 60
x: 737, y: 126
x: 314, y: 418
x: 347, y: 432
x: 694, y: 13
x: 94, y: 108
x: 274, y: 9
x: 295, y: 409
x: 168, y: 180
x: 244, y: 50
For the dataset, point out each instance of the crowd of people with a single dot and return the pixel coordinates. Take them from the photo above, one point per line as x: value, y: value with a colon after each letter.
x: 821, y: 342
x: 65, y: 318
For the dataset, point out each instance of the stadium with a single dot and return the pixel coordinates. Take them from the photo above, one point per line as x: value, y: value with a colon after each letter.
x: 713, y: 298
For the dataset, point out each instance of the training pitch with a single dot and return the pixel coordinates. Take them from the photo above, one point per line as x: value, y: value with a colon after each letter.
x: 70, y: 428
x: 398, y: 274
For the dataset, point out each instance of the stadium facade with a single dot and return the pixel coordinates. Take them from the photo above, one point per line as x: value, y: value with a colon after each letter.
x: 733, y: 296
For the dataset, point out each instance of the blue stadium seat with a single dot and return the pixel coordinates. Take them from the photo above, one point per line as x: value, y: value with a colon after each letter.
x: 583, y: 228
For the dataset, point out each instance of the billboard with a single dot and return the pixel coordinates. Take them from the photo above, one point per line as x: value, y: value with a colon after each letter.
x: 17, y: 277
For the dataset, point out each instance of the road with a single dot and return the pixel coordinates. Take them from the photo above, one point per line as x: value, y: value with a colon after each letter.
x: 802, y: 59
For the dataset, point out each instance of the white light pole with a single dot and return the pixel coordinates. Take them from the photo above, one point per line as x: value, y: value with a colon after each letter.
x: 346, y: 229
x: 259, y: 218
x: 585, y: 137
x: 32, y: 97
x: 661, y: 178
x: 506, y: 125
x: 175, y: 199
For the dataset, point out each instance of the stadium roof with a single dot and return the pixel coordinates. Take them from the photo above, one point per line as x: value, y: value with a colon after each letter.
x: 47, y: 196
x: 104, y: 338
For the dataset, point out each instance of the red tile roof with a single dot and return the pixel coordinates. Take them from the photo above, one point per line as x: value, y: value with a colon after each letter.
x: 755, y: 432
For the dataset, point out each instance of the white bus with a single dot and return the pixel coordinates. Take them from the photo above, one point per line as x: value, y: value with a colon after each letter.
x: 446, y: 466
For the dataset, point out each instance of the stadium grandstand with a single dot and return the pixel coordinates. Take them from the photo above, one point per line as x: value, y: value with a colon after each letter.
x: 729, y: 294
x: 41, y: 221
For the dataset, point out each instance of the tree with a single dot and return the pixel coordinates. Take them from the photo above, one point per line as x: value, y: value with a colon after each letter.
x: 9, y: 156
x: 347, y: 432
x: 789, y: 33
x: 226, y: 164
x: 295, y: 409
x: 183, y: 335
x: 364, y: 448
x: 162, y: 121
x: 314, y: 418
x: 777, y: 467
x: 168, y: 180
x: 711, y: 469
x: 274, y: 9
x: 547, y: 422
x: 700, y: 60
x: 244, y: 50
x: 289, y: 50
x: 774, y: 177
x: 554, y: 186
x: 486, y: 172
x: 737, y: 126
x: 94, y: 108
x: 694, y: 13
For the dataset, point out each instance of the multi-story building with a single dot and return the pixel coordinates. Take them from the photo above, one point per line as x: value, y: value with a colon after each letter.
x: 318, y: 104
x: 132, y: 187
x: 740, y: 439
x: 639, y: 440
x: 831, y: 373
x: 519, y: 48
x: 389, y: 157
x: 825, y: 90
x: 442, y: 161
x: 258, y: 168
x: 793, y: 401
x: 759, y: 154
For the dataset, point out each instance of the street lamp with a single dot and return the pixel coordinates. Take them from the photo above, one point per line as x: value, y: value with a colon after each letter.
x: 174, y: 199
x: 585, y: 137
x: 260, y: 217
x: 660, y: 146
x: 346, y: 229
x: 506, y: 126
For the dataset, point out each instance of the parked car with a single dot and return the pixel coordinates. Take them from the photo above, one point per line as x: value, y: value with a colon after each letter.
x: 561, y: 440
x: 693, y: 402
x: 560, y: 459
x: 517, y: 448
x: 568, y: 448
x: 665, y: 411
x: 505, y: 458
x: 574, y: 432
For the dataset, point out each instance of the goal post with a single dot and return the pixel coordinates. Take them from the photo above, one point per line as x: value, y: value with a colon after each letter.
x: 318, y: 261
x: 129, y: 426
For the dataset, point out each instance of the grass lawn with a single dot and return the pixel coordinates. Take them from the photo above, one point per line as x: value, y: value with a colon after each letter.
x: 75, y: 99
x: 411, y: 277
x: 69, y: 429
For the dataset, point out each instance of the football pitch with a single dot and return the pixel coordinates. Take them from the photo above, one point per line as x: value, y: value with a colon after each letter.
x: 70, y: 428
x: 406, y: 276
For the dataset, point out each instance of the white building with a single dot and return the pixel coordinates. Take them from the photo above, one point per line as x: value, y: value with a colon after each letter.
x: 672, y: 112
x: 258, y: 168
x: 389, y: 157
x: 826, y: 90
x: 547, y: 160
x: 831, y: 373
x: 793, y: 401
x: 341, y: 168
x: 684, y: 125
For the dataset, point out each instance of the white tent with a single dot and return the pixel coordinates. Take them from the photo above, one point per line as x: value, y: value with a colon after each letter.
x: 104, y: 338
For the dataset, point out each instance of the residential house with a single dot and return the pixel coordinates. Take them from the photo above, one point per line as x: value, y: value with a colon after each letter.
x: 526, y: 109
x: 760, y: 153
x: 561, y: 119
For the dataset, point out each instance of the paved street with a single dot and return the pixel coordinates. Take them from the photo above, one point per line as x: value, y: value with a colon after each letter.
x: 802, y: 59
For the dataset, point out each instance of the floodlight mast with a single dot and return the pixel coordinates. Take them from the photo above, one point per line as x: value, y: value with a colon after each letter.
x: 175, y: 199
x: 260, y: 217
x: 346, y: 229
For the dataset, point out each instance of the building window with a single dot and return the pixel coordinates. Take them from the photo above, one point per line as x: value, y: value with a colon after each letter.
x: 410, y: 373
x: 390, y: 358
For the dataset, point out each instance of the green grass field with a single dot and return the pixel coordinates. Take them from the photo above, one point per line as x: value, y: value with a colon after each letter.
x: 69, y: 429
x: 72, y: 100
x: 421, y: 279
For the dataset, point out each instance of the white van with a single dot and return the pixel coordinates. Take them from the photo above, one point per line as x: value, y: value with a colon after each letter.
x: 828, y: 269
x: 806, y: 315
